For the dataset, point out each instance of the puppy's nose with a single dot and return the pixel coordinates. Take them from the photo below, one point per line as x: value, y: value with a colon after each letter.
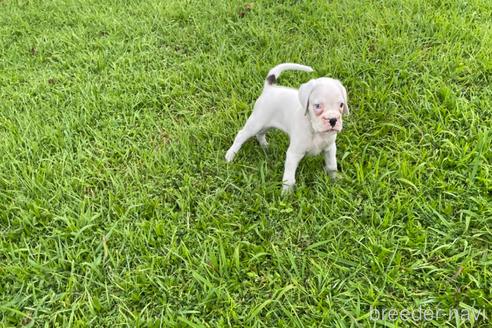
x: 333, y: 121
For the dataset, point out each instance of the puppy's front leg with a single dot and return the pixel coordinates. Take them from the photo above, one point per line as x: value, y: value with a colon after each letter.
x: 331, y: 161
x: 291, y: 162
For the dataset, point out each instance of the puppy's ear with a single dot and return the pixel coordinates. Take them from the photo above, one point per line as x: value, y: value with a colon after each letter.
x: 304, y: 93
x: 346, y: 110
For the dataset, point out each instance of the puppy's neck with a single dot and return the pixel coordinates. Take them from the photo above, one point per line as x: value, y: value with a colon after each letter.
x: 323, y: 135
x: 320, y: 141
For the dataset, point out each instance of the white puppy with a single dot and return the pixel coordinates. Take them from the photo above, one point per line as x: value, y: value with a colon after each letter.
x: 311, y: 116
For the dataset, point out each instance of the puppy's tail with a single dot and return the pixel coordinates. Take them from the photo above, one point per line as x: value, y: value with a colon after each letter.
x: 277, y: 70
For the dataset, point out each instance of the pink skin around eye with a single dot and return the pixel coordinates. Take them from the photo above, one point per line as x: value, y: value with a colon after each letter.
x: 318, y: 109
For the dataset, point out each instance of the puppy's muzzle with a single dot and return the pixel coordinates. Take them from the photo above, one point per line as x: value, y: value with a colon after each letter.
x: 331, y: 123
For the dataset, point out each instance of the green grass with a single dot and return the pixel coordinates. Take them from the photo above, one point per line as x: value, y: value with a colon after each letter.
x: 117, y: 207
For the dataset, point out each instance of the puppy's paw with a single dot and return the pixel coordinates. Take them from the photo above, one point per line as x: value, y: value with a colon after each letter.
x: 262, y: 141
x: 287, y: 189
x: 230, y: 155
x: 264, y: 145
x: 332, y: 174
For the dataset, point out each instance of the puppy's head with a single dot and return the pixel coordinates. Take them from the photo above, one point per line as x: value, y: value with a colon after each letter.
x: 324, y: 100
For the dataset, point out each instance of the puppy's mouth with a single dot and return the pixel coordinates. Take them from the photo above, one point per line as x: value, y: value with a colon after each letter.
x: 335, y: 129
x: 332, y: 128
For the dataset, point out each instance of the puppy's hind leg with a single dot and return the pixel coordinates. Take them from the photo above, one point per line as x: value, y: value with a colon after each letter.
x: 250, y: 129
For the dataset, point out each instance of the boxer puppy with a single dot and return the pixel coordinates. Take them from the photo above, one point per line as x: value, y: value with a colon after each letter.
x: 311, y: 116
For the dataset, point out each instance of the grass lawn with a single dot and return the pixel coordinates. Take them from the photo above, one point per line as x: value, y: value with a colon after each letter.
x: 117, y: 207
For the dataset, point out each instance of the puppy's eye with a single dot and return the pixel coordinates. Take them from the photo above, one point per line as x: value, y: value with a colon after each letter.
x: 317, y: 109
x: 341, y: 105
x: 317, y: 106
